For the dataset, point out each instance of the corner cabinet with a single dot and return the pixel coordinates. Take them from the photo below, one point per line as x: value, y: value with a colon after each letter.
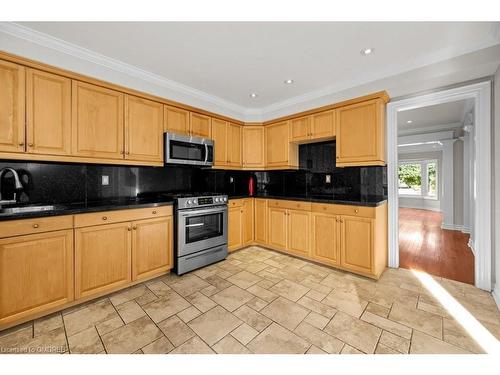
x: 254, y: 150
x: 280, y: 153
x: 361, y: 134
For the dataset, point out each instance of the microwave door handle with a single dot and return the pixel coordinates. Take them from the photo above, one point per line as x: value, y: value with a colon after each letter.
x: 206, y: 153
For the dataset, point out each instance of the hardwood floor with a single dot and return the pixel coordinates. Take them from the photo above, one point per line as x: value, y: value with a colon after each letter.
x: 423, y: 245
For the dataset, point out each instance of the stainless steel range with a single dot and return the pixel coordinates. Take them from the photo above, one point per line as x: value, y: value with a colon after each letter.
x: 200, y: 231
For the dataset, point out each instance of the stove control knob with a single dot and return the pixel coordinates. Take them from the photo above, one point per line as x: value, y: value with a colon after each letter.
x: 217, y: 199
x: 189, y: 201
x: 225, y: 199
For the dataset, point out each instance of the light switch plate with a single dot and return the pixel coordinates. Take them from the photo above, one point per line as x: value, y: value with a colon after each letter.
x: 105, y: 180
x: 328, y: 179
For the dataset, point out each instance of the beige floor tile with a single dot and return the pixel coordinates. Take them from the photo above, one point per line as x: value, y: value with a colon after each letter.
x: 425, y: 344
x: 266, y: 284
x: 85, y: 342
x: 319, y: 338
x: 316, y: 320
x: 253, y: 318
x: 377, y: 310
x: 166, y: 306
x: 214, y: 324
x: 201, y: 302
x: 176, y: 330
x: 232, y: 297
x: 130, y: 311
x: 257, y: 304
x: 316, y: 306
x: 128, y: 294
x: 53, y: 342
x: 194, y: 345
x: 244, y: 279
x: 315, y: 295
x: 454, y: 334
x: 481, y: 312
x: 229, y: 345
x: 189, y: 284
x: 255, y: 267
x: 315, y: 350
x: 395, y: 342
x: 89, y: 316
x: 218, y: 282
x: 262, y: 293
x: 244, y: 333
x: 285, y: 312
x: 382, y: 349
x: 348, y: 349
x: 158, y: 288
x: 47, y: 324
x: 13, y: 338
x: 289, y: 289
x: 276, y: 339
x: 146, y: 298
x: 361, y: 335
x: 387, y: 325
x: 131, y: 337
x: 346, y: 302
x: 189, y: 314
x: 209, y: 291
x: 417, y: 319
x: 109, y: 325
x: 160, y: 346
x: 434, y: 309
x: 316, y: 286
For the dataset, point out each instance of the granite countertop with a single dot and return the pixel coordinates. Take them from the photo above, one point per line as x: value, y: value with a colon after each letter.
x: 85, y: 207
x: 368, y: 201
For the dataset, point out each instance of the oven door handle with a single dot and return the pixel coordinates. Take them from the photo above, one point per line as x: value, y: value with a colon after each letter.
x: 205, y: 211
x: 194, y: 225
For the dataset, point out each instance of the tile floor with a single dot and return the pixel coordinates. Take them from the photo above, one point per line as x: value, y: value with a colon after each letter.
x: 260, y: 301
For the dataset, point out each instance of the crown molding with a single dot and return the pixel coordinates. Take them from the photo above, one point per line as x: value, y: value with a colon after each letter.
x: 87, y: 55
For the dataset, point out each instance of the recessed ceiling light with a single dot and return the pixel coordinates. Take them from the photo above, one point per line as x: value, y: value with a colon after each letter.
x: 288, y: 81
x: 367, y: 51
x: 253, y: 95
x: 409, y: 121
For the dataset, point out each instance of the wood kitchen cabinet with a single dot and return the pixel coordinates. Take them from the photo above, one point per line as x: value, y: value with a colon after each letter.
x: 280, y: 153
x: 36, y: 272
x: 300, y: 129
x: 325, y: 238
x: 361, y: 134
x: 12, y: 107
x: 176, y: 120
x: 152, y: 251
x: 48, y: 113
x: 240, y: 223
x: 97, y: 122
x: 219, y: 136
x: 143, y: 129
x: 317, y: 127
x: 298, y: 232
x: 253, y: 145
x: 356, y: 243
x: 199, y: 125
x: 260, y: 218
x: 233, y: 145
x: 277, y: 228
x: 248, y: 221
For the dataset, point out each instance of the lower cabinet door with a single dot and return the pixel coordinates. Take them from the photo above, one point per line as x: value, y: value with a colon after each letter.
x: 356, y: 244
x: 234, y: 228
x: 36, y: 273
x: 248, y: 221
x: 102, y: 258
x: 151, y: 247
x: 261, y: 221
x: 298, y: 232
x: 325, y: 240
x: 277, y: 228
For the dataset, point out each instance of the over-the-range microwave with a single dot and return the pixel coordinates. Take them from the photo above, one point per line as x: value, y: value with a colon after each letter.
x: 189, y: 150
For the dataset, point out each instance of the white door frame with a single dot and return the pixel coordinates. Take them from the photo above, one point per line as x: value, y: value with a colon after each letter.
x: 481, y: 94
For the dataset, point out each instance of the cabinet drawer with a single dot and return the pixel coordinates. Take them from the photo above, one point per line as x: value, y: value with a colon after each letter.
x: 106, y: 217
x: 236, y: 202
x: 35, y: 225
x: 340, y: 209
x: 291, y: 205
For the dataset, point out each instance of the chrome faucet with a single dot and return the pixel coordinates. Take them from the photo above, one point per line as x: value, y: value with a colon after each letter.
x: 17, y: 183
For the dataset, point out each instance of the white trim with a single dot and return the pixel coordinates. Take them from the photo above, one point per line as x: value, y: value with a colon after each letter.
x: 496, y: 294
x: 456, y: 227
x: 481, y: 94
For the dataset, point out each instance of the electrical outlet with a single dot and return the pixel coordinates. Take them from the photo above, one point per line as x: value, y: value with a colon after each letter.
x: 104, y: 180
x: 231, y: 180
x: 328, y: 179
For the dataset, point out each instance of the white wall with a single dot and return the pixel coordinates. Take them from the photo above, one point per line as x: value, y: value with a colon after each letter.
x: 496, y: 188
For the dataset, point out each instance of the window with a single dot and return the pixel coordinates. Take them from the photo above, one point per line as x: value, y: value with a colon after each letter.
x: 418, y: 178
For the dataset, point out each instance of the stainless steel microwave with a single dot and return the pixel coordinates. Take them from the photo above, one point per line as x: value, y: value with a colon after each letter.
x: 185, y: 149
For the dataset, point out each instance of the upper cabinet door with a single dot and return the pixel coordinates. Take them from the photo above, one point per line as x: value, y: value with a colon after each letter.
x: 200, y: 125
x: 277, y: 144
x: 48, y: 111
x: 253, y: 146
x: 361, y: 134
x: 143, y: 129
x: 176, y: 120
x: 12, y: 122
x: 300, y: 129
x: 234, y: 145
x: 323, y: 125
x: 97, y: 122
x: 219, y: 135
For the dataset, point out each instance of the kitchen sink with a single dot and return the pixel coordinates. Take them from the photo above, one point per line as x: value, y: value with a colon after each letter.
x: 26, y: 209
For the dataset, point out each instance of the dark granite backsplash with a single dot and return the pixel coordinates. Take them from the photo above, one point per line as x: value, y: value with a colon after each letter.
x: 70, y: 183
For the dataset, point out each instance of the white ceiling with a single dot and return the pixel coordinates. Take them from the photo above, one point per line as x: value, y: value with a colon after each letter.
x: 222, y: 63
x: 434, y: 118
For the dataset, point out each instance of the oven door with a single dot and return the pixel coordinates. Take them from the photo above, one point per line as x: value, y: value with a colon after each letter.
x: 182, y: 149
x: 199, y: 229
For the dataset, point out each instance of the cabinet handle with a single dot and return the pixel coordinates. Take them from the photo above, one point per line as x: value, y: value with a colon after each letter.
x: 122, y: 152
x: 105, y: 218
x: 129, y: 229
x: 30, y: 144
x: 35, y: 226
x: 134, y: 227
x: 338, y: 157
x: 356, y: 211
x: 154, y: 212
x: 128, y: 153
x: 21, y: 143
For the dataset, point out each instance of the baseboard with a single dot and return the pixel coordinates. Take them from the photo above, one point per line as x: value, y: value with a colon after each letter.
x: 452, y: 227
x: 496, y: 294
x: 471, y: 246
x: 465, y: 229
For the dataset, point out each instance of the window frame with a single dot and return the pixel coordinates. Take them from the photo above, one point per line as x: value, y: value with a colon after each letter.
x: 424, y: 177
